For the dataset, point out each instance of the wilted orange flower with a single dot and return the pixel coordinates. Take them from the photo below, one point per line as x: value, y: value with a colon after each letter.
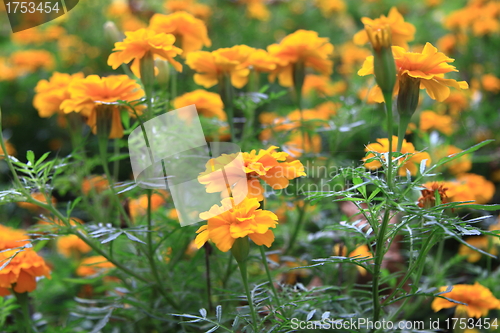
x: 207, y: 103
x: 267, y: 164
x: 401, y: 32
x: 51, y: 93
x: 412, y: 163
x: 328, y: 7
x: 478, y: 299
x: 490, y: 83
x: 428, y: 198
x: 94, y: 265
x: 11, y: 238
x: 29, y: 61
x: 322, y: 86
x: 430, y: 120
x: 227, y: 222
x: 301, y: 47
x: 256, y: 9
x: 72, y: 245
x: 484, y: 243
x: 37, y: 196
x: 21, y: 272
x: 138, y: 43
x: 95, y: 183
x: 190, y: 31
x: 95, y: 94
x: 211, y: 67
x: 428, y: 67
x: 199, y: 10
x: 457, y: 166
x: 139, y: 206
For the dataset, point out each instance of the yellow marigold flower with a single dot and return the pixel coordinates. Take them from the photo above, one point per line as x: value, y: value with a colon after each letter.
x: 490, y: 83
x: 190, y: 31
x: 261, y: 61
x: 227, y: 222
x: 401, y: 32
x: 256, y: 9
x: 481, y: 242
x: 322, y: 86
x: 296, y: 146
x: 37, y: 35
x: 7, y: 72
x: 11, y: 238
x: 469, y: 186
x: 21, y: 272
x: 411, y: 164
x: 428, y: 198
x: 478, y: 299
x: 199, y: 10
x: 328, y: 7
x: 29, y: 61
x: 267, y: 164
x: 139, y: 206
x: 311, y: 118
x: 94, y: 265
x: 430, y: 120
x: 207, y: 103
x: 480, y: 16
x: 51, y: 93
x: 39, y: 197
x: 301, y: 47
x: 428, y: 67
x: 457, y: 166
x: 72, y: 245
x: 211, y: 67
x: 95, y: 94
x: 456, y: 103
x: 138, y: 43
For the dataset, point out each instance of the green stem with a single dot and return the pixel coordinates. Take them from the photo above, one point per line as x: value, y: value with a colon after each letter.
x: 269, y: 277
x: 388, y: 107
x: 227, y: 98
x: 298, y: 227
x: 22, y: 314
x: 244, y: 277
x: 229, y: 270
x: 116, y: 163
x: 403, y: 125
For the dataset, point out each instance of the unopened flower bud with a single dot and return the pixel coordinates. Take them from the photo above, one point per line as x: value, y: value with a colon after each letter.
x: 111, y: 33
x: 409, y: 92
x: 383, y: 60
x: 240, y: 249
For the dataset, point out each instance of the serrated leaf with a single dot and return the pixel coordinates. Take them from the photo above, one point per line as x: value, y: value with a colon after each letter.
x: 133, y: 238
x: 112, y: 237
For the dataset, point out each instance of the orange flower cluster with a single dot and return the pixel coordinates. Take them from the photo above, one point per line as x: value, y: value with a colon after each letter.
x: 199, y: 10
x: 430, y: 120
x: 207, y: 103
x: 72, y: 246
x: 322, y: 86
x: 25, y: 62
x: 94, y: 265
x: 471, y: 187
x: 329, y: 7
x: 138, y: 207
x: 482, y: 17
x: 457, y: 166
x: 256, y: 9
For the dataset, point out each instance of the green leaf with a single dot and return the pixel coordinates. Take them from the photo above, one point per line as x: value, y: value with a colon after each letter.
x: 30, y: 156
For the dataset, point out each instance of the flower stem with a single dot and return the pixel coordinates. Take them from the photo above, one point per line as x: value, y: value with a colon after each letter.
x: 388, y: 106
x: 244, y: 277
x: 298, y: 226
x: 22, y: 314
x: 269, y: 277
x: 403, y: 125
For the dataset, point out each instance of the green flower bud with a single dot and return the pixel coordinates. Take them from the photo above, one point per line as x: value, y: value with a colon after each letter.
x: 240, y: 249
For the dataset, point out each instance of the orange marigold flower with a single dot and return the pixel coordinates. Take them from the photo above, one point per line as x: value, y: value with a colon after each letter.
x: 95, y: 183
x: 227, y: 222
x: 480, y: 16
x: 304, y: 47
x: 328, y: 7
x: 207, y: 103
x: 10, y: 150
x: 199, y: 10
x: 296, y: 146
x: 256, y: 9
x: 411, y: 164
x: 490, y: 83
x: 94, y: 94
x: 430, y: 120
x: 457, y: 166
x: 456, y: 102
x: 21, y: 272
x: 267, y: 164
x: 211, y: 67
x: 401, y: 32
x: 428, y: 67
x: 471, y: 187
x: 94, y: 265
x: 51, y: 93
x: 138, y: 43
x: 428, y: 197
x: 72, y: 246
x: 484, y: 243
x: 351, y: 56
x: 29, y: 61
x: 11, y: 238
x: 7, y: 71
x: 322, y: 86
x: 478, y: 299
x: 190, y: 31
x: 261, y: 61
x: 139, y: 206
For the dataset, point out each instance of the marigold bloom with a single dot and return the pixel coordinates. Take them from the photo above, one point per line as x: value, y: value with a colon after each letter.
x: 199, y: 10
x: 190, y: 31
x: 428, y: 198
x: 256, y: 9
x: 478, y: 299
x: 457, y: 102
x: 261, y: 61
x: 304, y: 47
x: 72, y: 245
x: 490, y: 83
x: 207, y: 103
x: 11, y: 238
x: 95, y: 94
x: 38, y: 36
x: 484, y: 243
x: 94, y: 265
x: 411, y: 164
x: 428, y: 67
x: 29, y: 61
x: 328, y: 7
x: 95, y: 183
x: 296, y: 146
x: 457, y: 166
x: 139, y: 206
x: 480, y: 16
x: 401, y: 32
x: 138, y: 43
x: 267, y: 164
x: 351, y: 56
x: 51, y: 93
x: 10, y: 150
x: 430, y: 120
x: 471, y: 187
x: 211, y: 67
x: 21, y: 272
x: 322, y: 86
x: 227, y: 222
